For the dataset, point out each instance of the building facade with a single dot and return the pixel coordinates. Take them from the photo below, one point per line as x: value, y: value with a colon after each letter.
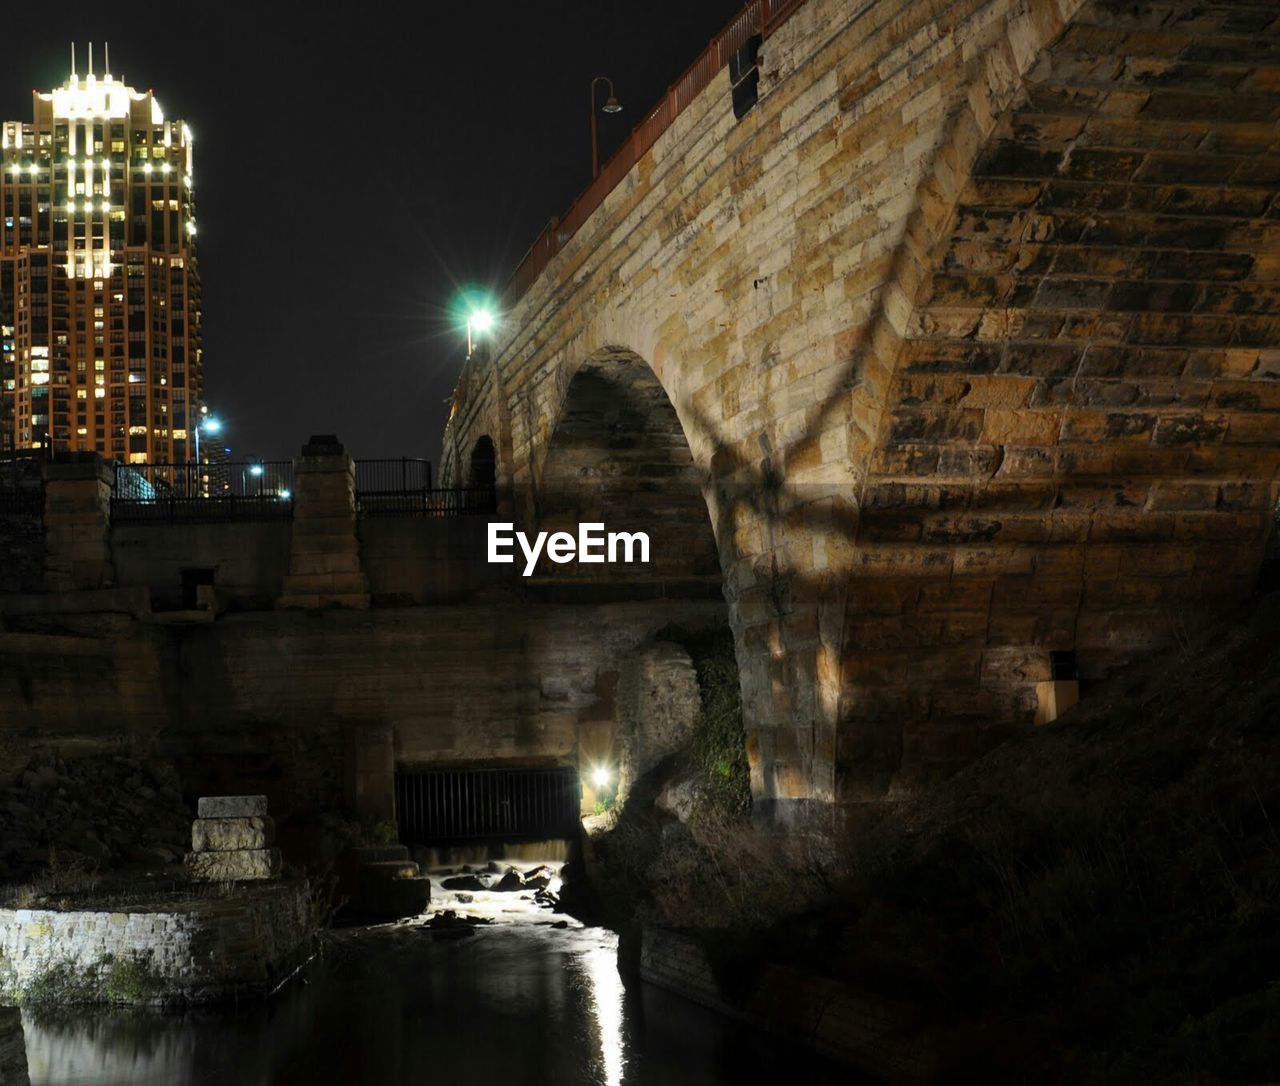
x: 99, y: 284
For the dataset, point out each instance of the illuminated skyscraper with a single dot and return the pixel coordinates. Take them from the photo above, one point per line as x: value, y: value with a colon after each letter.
x: 99, y: 286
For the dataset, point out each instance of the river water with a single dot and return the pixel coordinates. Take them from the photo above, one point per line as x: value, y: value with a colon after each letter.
x: 519, y: 1002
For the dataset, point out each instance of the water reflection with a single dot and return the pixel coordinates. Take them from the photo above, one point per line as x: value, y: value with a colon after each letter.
x: 519, y: 1002
x: 607, y: 994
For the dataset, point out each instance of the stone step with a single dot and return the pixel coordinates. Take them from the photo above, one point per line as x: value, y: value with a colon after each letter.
x: 390, y: 898
x: 242, y: 864
x: 376, y: 854
x: 386, y: 871
x: 231, y: 806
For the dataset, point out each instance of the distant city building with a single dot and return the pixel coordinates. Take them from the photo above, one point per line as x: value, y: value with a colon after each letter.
x: 99, y: 285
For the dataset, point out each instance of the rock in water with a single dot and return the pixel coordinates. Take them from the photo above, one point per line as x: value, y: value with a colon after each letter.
x: 509, y: 882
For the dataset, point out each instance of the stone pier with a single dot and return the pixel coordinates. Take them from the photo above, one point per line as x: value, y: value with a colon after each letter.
x: 324, y: 556
x: 232, y: 839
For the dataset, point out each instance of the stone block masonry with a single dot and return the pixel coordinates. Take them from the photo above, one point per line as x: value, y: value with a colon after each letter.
x: 196, y: 951
x: 215, y: 807
x: 230, y: 834
x: 231, y: 840
x: 970, y: 328
x: 324, y: 557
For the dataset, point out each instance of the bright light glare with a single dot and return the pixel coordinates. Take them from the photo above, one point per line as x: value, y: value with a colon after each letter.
x: 255, y: 469
x: 211, y: 425
x: 286, y: 494
x: 600, y: 776
x: 607, y: 994
x: 481, y: 320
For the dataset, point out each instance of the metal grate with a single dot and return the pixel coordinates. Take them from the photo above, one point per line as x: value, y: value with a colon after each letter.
x: 406, y: 475
x: 438, y: 805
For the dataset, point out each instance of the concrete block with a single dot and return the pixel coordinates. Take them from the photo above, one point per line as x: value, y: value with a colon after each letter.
x: 242, y: 864
x: 232, y: 834
x: 232, y: 806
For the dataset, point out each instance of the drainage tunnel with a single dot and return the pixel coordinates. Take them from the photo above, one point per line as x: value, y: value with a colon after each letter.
x: 441, y: 805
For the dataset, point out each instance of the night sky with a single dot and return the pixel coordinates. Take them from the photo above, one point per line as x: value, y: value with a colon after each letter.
x: 352, y: 174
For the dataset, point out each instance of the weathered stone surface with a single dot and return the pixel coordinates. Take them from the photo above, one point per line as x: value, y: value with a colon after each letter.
x: 232, y: 834
x: 258, y: 863
x: 1060, y: 268
x: 258, y: 932
x: 232, y: 806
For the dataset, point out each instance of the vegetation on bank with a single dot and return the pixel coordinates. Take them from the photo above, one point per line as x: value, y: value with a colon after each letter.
x: 128, y: 980
x: 1095, y: 901
x: 717, y: 754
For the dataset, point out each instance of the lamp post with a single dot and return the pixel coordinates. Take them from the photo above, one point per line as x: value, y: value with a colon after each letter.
x: 211, y: 425
x: 254, y: 472
x: 611, y: 105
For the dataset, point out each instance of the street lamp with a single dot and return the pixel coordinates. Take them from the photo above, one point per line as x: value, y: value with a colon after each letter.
x: 611, y: 105
x: 479, y: 321
x: 255, y: 472
x: 210, y: 424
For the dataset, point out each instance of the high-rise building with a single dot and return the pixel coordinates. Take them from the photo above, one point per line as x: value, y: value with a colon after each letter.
x: 99, y: 285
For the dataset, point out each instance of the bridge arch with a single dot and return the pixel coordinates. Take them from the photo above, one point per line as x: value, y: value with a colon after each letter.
x: 977, y: 349
x: 618, y: 455
x: 484, y: 462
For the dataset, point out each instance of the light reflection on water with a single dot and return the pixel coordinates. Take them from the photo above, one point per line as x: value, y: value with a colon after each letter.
x: 607, y: 995
x: 519, y: 1002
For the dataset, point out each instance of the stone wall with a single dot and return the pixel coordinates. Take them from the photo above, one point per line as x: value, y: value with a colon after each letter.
x: 249, y: 559
x: 969, y: 327
x: 265, y: 701
x: 21, y: 553
x: 196, y: 951
x: 426, y: 559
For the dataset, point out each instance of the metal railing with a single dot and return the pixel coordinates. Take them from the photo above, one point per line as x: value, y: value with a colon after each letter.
x: 509, y: 804
x: 403, y: 488
x: 393, y: 476
x: 761, y: 17
x: 192, y: 493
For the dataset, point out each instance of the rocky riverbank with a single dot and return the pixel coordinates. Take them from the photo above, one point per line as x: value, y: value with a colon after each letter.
x: 97, y: 812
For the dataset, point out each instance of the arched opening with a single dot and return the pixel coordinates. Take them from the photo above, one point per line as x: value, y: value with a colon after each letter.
x: 484, y: 462
x: 618, y: 457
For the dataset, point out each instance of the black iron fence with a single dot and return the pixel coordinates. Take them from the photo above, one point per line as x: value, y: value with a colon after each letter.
x: 438, y: 805
x: 403, y: 488
x: 172, y: 493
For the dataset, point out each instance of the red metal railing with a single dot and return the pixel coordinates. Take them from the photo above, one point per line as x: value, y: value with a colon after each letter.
x: 759, y: 16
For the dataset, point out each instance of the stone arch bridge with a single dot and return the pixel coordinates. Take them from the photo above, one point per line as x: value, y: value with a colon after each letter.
x: 966, y: 337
